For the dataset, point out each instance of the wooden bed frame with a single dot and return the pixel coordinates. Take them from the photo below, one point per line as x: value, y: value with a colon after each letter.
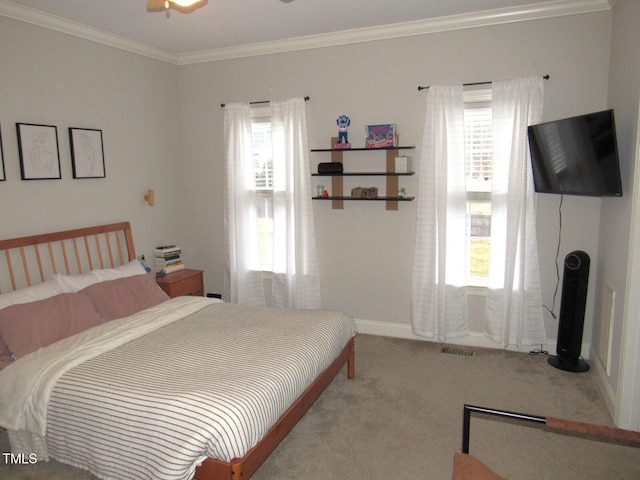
x: 26, y: 261
x: 242, y: 468
x: 39, y: 257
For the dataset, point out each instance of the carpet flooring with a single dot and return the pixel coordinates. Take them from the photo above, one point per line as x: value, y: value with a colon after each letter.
x: 402, y: 418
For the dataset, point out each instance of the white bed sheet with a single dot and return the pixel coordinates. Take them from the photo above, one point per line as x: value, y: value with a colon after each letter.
x: 152, y: 395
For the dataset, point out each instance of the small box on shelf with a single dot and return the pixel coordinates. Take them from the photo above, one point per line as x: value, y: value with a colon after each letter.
x: 360, y: 192
x: 381, y: 136
x: 403, y: 164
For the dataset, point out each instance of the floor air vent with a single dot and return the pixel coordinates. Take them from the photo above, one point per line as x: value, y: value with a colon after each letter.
x: 456, y: 351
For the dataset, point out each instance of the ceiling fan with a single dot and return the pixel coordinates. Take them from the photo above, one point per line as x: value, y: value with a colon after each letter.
x: 184, y: 5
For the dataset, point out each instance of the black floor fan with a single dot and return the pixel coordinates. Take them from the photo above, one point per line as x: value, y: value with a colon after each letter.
x: 572, y: 307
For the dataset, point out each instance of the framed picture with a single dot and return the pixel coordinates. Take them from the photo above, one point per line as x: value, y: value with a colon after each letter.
x: 2, y: 172
x: 39, y: 153
x: 381, y: 136
x: 87, y: 153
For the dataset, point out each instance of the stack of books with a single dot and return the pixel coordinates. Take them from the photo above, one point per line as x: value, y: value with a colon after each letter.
x: 168, y: 259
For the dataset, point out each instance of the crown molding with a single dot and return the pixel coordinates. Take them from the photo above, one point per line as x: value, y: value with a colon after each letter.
x: 63, y: 25
x: 554, y: 8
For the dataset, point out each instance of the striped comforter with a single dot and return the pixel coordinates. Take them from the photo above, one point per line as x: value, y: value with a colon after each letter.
x: 208, y: 384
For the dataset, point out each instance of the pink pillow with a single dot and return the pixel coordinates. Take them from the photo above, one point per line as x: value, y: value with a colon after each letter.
x: 5, y: 354
x: 125, y: 296
x: 26, y: 327
x: 33, y: 293
x: 4, y: 350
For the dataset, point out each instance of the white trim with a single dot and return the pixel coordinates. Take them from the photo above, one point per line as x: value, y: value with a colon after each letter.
x: 63, y: 25
x: 420, y: 27
x: 474, y: 339
x: 627, y: 414
x: 477, y: 291
x: 555, y: 8
x: 605, y: 387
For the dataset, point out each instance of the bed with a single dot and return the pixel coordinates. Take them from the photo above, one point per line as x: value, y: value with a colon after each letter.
x: 101, y: 370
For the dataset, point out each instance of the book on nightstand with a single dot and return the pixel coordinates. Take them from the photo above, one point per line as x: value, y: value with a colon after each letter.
x: 167, y: 259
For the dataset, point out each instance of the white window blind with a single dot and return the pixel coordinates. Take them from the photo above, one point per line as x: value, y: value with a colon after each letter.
x: 263, y: 171
x: 479, y: 172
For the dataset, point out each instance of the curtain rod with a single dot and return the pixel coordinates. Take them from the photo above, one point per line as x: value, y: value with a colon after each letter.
x: 420, y: 88
x: 306, y: 99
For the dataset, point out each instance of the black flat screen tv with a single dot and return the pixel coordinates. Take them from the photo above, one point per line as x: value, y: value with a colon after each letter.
x: 576, y: 156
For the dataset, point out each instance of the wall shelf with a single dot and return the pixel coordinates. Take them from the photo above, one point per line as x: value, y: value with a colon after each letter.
x: 386, y: 199
x: 363, y: 174
x: 337, y: 184
x: 361, y: 149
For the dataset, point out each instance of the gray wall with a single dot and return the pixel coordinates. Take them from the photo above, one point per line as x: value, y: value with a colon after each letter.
x: 55, y: 79
x: 366, y: 252
x: 163, y: 125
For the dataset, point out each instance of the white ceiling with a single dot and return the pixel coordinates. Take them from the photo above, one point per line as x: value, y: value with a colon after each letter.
x: 225, y: 25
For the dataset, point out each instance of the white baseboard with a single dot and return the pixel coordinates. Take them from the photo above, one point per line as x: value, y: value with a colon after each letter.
x: 608, y: 394
x: 474, y: 339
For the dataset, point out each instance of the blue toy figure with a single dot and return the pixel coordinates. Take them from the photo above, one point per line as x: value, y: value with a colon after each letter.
x: 343, y: 122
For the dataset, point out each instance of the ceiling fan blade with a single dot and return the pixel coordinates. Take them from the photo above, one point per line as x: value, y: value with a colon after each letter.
x: 286, y: 1
x: 155, y: 5
x: 184, y: 6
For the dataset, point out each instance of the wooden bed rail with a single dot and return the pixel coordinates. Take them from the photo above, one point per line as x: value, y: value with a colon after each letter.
x: 26, y: 261
x: 243, y: 468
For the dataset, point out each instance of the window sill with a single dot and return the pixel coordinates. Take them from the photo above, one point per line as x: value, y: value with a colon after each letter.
x: 477, y: 291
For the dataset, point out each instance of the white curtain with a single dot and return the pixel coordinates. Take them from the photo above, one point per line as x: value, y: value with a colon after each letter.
x: 296, y: 278
x: 438, y: 290
x: 243, y: 279
x: 514, y: 303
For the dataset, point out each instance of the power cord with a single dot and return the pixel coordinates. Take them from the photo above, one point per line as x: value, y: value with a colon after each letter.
x: 555, y: 292
x: 541, y: 351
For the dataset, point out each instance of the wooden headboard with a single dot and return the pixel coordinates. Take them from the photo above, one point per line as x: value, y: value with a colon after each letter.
x: 26, y: 261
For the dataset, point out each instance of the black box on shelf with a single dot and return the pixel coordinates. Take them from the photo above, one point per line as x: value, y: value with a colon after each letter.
x: 330, y: 167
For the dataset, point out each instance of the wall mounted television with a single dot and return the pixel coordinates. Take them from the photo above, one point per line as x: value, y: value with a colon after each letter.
x: 576, y: 156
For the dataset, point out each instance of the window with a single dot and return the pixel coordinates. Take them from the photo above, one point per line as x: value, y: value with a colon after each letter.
x: 263, y: 170
x: 478, y: 128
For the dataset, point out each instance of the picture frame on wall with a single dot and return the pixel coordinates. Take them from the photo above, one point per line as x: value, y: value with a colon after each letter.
x: 39, y: 151
x: 3, y: 176
x: 87, y: 153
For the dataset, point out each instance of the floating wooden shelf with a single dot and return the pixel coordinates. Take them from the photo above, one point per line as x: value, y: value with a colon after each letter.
x: 367, y: 199
x: 360, y: 149
x: 363, y: 174
x: 337, y: 178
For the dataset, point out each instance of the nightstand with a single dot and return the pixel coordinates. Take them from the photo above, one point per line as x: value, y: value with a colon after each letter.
x: 182, y: 282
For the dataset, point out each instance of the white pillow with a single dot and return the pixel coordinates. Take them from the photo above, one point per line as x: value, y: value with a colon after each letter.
x: 34, y: 293
x: 75, y: 283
